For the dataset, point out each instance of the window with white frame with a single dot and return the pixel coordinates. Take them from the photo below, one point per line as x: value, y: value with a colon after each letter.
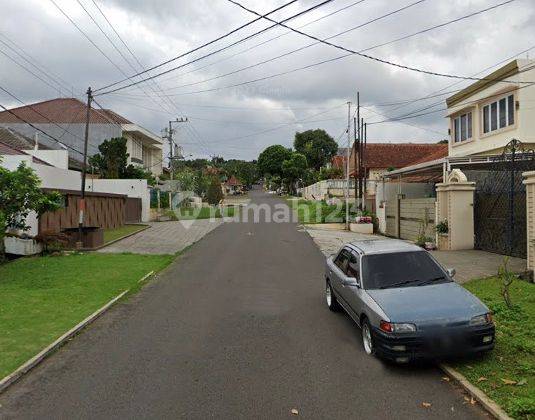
x: 462, y: 127
x: 137, y: 147
x: 499, y: 114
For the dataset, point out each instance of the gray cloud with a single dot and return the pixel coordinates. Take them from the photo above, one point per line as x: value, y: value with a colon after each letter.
x: 160, y: 29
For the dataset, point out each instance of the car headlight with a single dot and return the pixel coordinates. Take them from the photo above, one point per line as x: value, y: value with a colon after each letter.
x: 390, y: 327
x: 481, y: 319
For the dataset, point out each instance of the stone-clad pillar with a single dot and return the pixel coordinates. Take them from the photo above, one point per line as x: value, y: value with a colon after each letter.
x: 529, y: 182
x: 455, y: 203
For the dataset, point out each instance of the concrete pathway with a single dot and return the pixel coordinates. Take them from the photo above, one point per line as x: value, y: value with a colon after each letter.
x: 165, y: 237
x: 236, y: 328
x: 469, y: 265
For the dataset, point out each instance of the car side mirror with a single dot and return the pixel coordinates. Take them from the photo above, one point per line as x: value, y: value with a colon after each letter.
x: 451, y: 272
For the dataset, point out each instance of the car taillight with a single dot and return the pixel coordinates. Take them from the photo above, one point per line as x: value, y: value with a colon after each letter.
x: 386, y: 326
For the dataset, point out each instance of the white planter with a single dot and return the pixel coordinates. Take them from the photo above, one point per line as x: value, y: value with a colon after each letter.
x: 18, y: 246
x: 366, y: 228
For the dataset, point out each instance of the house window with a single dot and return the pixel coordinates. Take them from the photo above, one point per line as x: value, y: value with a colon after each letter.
x: 137, y: 147
x: 499, y: 114
x: 462, y: 127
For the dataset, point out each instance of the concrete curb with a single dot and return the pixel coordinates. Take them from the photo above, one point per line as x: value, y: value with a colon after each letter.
x: 43, y: 354
x: 476, y: 393
x: 145, y: 277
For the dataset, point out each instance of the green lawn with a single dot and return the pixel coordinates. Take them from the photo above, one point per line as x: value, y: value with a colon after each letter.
x: 201, y: 213
x: 42, y: 298
x: 113, y: 234
x: 514, y: 356
x: 310, y: 212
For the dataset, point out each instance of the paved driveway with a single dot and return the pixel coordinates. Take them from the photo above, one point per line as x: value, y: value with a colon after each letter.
x: 165, y: 237
x: 470, y: 264
x: 237, y: 328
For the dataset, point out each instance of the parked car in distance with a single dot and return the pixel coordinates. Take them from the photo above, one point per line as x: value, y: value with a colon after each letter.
x: 406, y: 304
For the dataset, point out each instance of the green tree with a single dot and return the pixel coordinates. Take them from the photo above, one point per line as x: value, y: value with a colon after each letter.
x: 317, y: 146
x: 331, y: 173
x: 111, y: 162
x: 293, y: 170
x: 202, y: 182
x: 214, y: 194
x: 186, y: 180
x: 20, y: 193
x: 270, y: 160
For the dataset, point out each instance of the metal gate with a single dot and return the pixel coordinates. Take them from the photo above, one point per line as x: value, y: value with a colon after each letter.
x: 500, y: 202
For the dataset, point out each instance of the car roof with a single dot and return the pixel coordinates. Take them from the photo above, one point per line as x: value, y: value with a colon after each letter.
x: 383, y: 246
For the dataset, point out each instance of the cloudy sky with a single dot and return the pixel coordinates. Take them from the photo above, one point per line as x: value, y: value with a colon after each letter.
x: 239, y: 121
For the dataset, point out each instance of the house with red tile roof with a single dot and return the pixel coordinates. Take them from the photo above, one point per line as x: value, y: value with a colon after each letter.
x: 232, y: 186
x: 379, y: 158
x: 64, y: 119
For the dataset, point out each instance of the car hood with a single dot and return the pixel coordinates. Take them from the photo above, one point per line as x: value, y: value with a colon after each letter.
x: 443, y: 303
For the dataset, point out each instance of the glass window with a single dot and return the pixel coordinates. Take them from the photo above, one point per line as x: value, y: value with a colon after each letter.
x: 469, y: 135
x: 353, y: 268
x: 493, y: 116
x: 400, y: 269
x: 342, y: 260
x: 463, y: 127
x: 511, y: 109
x: 499, y: 114
x: 486, y: 118
x: 502, y: 113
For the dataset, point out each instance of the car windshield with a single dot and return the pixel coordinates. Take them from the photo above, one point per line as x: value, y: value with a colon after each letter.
x: 401, y: 269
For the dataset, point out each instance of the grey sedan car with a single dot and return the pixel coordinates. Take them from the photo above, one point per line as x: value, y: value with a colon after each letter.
x: 406, y: 304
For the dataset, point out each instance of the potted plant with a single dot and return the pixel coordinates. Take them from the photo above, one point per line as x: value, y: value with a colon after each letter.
x: 442, y: 229
x: 362, y: 224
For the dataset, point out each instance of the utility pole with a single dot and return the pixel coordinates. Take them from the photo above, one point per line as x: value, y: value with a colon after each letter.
x: 357, y: 149
x: 365, y: 136
x: 348, y: 157
x: 361, y: 162
x: 81, y: 214
x: 169, y: 137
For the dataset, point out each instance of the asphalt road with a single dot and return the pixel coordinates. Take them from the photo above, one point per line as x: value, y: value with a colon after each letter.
x: 236, y: 328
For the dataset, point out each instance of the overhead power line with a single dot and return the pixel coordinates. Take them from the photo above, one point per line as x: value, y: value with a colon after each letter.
x: 377, y: 59
x: 206, y: 44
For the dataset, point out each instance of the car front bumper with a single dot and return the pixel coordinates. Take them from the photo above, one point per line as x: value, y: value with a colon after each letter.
x: 439, y: 344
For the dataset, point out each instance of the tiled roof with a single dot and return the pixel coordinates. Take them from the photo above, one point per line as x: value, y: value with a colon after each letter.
x: 6, y: 149
x: 399, y: 155
x: 60, y: 111
x: 232, y: 182
x: 16, y: 140
x: 439, y: 153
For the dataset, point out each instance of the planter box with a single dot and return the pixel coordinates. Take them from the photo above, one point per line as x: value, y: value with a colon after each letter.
x: 443, y: 243
x: 18, y: 246
x: 366, y: 228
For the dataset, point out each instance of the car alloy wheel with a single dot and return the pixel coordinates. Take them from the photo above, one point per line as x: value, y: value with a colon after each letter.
x: 367, y: 338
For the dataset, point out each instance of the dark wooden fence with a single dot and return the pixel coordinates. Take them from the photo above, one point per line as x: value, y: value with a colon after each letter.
x: 132, y: 210
x: 102, y: 210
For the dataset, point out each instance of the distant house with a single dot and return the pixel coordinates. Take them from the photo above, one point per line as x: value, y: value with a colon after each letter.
x: 379, y: 158
x: 64, y: 119
x: 232, y: 186
x: 339, y: 160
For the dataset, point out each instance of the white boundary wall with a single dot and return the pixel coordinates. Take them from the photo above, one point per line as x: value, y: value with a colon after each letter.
x: 56, y: 178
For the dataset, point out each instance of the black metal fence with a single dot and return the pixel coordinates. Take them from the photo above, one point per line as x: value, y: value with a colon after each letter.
x: 500, y: 201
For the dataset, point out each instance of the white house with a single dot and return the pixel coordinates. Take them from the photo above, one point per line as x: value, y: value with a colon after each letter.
x: 486, y: 115
x: 64, y: 119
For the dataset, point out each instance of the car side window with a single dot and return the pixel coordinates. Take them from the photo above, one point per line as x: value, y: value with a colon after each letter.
x: 342, y: 260
x: 353, y: 268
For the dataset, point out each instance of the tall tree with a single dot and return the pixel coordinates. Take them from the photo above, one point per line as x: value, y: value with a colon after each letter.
x: 214, y: 194
x: 317, y: 146
x: 294, y: 169
x: 270, y: 160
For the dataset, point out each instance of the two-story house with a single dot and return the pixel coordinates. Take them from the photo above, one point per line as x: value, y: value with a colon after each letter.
x: 488, y: 114
x: 65, y: 118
